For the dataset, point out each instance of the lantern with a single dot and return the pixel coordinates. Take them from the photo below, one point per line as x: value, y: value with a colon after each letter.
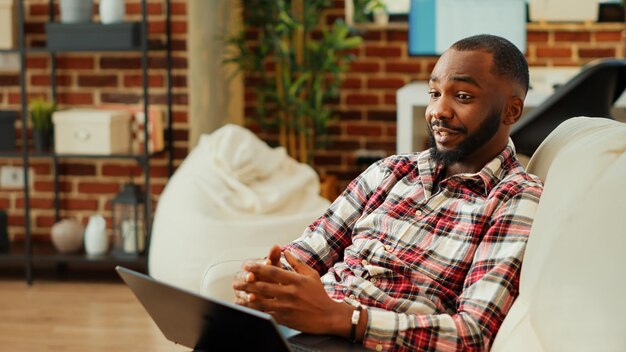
x: 128, y: 222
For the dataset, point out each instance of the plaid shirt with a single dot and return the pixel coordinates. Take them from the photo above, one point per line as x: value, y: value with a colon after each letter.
x: 436, y: 270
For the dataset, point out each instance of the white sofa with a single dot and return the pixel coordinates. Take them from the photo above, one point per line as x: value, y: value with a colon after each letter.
x: 573, y: 280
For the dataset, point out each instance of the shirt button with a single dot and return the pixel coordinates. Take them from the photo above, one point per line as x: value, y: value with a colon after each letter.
x: 352, y: 297
x: 388, y: 248
x: 418, y: 213
x: 379, y: 348
x: 364, y: 262
x: 373, y: 280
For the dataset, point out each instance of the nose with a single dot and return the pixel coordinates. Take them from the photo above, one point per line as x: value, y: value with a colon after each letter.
x: 440, y: 109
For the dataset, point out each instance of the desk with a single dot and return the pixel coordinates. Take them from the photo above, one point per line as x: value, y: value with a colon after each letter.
x: 412, y: 99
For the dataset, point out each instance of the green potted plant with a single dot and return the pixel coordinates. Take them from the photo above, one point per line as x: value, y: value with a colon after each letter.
x: 41, y: 119
x: 307, y: 61
x: 369, y: 11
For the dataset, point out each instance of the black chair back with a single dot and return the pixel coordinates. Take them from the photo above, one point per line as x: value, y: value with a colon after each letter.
x: 590, y: 93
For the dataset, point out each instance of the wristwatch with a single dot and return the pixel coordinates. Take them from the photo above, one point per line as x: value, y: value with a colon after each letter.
x: 356, y: 315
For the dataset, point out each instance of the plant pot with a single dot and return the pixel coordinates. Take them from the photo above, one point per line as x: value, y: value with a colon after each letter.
x: 43, y: 140
x: 76, y: 11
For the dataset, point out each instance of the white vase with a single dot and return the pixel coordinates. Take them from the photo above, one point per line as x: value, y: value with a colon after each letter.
x: 76, y: 11
x: 112, y: 11
x: 96, y: 237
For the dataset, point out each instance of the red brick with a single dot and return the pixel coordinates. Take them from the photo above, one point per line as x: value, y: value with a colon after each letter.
x: 48, y: 186
x: 391, y: 131
x: 350, y: 115
x: 137, y: 81
x: 365, y: 67
x: 608, y: 36
x: 391, y: 83
x: 5, y: 203
x: 553, y: 52
x: 121, y: 170
x: 160, y: 62
x: 179, y: 81
x: 41, y: 169
x: 177, y: 99
x: 9, y: 80
x: 32, y: 27
x: 159, y: 171
x: 352, y: 83
x: 596, y: 52
x: 397, y: 36
x: 45, y: 221
x: 97, y: 80
x: 152, y: 9
x: 381, y: 115
x: 36, y: 62
x: 156, y: 190
x: 74, y: 169
x: 79, y: 204
x: 98, y: 187
x: 36, y: 203
x: 120, y: 63
x: 75, y: 63
x: 403, y: 67
x: 383, y: 51
x: 327, y: 160
x: 16, y: 220
x: 39, y: 10
x: 181, y: 135
x: 372, y: 35
x: 178, y: 8
x: 390, y: 98
x: 537, y: 36
x: 44, y: 80
x: 390, y: 147
x: 120, y: 98
x: 180, y: 116
x: 364, y: 130
x: 362, y: 99
x: 577, y: 36
x: 75, y: 98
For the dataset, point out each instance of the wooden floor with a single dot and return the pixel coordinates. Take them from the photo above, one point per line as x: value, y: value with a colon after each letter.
x: 75, y: 316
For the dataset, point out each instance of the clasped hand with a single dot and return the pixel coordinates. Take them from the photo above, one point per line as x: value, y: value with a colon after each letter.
x: 295, y: 299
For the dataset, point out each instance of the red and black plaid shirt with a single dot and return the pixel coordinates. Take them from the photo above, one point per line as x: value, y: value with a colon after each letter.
x: 437, y: 270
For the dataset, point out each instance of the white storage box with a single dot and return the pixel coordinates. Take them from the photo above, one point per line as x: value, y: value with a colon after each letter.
x: 89, y: 131
x: 8, y: 24
x: 563, y: 10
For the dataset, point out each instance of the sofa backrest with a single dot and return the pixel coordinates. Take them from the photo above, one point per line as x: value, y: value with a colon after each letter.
x: 573, y: 279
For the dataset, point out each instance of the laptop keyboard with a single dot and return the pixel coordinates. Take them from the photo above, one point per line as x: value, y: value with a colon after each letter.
x: 302, y: 348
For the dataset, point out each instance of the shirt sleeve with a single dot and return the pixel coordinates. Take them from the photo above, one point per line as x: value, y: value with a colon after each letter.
x: 323, y: 242
x: 490, y: 287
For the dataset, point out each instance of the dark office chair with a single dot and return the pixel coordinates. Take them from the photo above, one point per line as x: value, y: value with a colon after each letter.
x: 590, y: 93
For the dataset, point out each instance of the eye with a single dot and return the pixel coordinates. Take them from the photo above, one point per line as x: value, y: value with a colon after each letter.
x: 464, y: 97
x: 434, y: 94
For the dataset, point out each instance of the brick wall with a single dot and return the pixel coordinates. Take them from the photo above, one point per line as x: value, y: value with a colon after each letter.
x: 83, y: 80
x: 365, y: 111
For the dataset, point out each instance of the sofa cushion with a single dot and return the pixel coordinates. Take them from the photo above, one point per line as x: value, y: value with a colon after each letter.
x: 572, y: 282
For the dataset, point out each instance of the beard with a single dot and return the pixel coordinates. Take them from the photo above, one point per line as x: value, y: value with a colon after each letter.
x: 487, y: 129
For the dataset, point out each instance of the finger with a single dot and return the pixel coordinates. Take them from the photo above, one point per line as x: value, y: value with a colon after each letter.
x: 272, y: 274
x: 274, y: 255
x: 299, y: 266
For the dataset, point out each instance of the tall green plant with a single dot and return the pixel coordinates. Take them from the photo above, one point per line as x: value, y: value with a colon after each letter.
x: 307, y: 67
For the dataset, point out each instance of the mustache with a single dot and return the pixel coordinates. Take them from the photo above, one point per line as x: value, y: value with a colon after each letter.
x: 443, y: 124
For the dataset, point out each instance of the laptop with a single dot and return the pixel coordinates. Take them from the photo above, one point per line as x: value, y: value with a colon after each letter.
x: 207, y: 324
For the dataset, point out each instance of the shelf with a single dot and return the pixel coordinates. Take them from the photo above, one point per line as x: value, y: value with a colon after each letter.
x: 31, y: 154
x: 12, y: 258
x: 124, y: 36
x: 84, y: 258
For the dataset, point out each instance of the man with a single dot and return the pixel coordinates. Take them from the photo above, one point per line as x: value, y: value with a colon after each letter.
x: 422, y: 251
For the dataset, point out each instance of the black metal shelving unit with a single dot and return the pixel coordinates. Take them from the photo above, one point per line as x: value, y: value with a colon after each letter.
x: 28, y: 257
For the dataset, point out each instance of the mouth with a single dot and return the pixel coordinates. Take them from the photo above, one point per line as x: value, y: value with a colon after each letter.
x: 444, y: 135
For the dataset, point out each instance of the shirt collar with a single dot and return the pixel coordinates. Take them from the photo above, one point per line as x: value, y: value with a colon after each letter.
x: 489, y: 176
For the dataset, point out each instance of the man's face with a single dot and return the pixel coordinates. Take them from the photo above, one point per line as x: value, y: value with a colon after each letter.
x: 465, y: 111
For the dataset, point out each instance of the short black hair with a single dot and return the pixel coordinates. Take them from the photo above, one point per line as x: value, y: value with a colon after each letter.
x: 508, y: 60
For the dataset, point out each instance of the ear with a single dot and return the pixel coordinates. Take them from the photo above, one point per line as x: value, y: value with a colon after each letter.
x: 513, y: 110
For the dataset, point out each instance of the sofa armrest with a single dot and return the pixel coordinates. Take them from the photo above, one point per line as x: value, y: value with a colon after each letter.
x: 218, y: 276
